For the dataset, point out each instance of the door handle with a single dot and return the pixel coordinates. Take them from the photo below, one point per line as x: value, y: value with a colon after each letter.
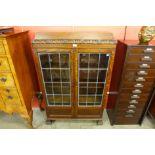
x: 112, y: 93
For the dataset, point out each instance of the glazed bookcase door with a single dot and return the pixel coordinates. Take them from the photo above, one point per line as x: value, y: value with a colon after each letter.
x: 92, y: 70
x: 56, y: 70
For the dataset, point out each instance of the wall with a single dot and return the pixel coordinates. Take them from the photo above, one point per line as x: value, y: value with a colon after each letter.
x: 118, y: 31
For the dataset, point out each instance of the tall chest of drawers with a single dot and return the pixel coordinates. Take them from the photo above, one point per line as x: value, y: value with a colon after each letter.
x: 17, y: 84
x: 132, y: 82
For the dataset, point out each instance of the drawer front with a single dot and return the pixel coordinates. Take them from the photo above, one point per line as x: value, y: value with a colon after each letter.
x: 10, y: 96
x: 126, y: 111
x: 4, y: 64
x: 141, y: 58
x: 136, y: 90
x: 141, y: 85
x: 126, y: 119
x: 6, y: 80
x: 143, y: 79
x: 142, y: 50
x: 130, y: 97
x: 142, y: 65
x: 2, y: 50
x: 130, y: 105
x: 139, y: 76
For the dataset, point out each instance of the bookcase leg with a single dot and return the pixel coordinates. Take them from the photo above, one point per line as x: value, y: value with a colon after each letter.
x: 100, y: 122
x: 49, y: 122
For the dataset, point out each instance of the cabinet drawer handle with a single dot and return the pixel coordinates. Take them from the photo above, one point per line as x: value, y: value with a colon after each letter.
x: 7, y: 90
x: 138, y: 85
x: 133, y: 102
x: 130, y: 111
x: 142, y: 73
x: 140, y: 79
x: 10, y: 97
x: 3, y: 79
x: 144, y: 66
x: 132, y: 106
x: 149, y: 50
x: 135, y: 96
x: 128, y: 115
x: 138, y: 91
x: 146, y: 58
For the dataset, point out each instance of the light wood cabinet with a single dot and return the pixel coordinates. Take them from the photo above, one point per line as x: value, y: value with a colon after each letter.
x: 17, y: 83
x: 75, y: 72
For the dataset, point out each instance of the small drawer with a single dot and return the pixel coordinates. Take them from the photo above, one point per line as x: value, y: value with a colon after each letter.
x: 10, y: 96
x: 137, y: 78
x: 142, y: 50
x: 138, y: 85
x: 136, y: 90
x: 127, y: 105
x: 6, y: 80
x: 126, y: 97
x: 140, y: 65
x: 2, y: 49
x: 127, y: 111
x: 126, y: 119
x: 4, y: 64
x: 139, y: 75
x: 141, y: 58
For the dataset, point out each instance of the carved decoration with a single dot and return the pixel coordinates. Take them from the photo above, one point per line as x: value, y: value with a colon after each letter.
x: 70, y: 41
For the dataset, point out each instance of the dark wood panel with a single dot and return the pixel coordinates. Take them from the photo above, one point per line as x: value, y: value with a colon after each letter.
x: 59, y: 111
x: 118, y: 66
x: 152, y: 108
x: 89, y: 112
x: 116, y: 73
